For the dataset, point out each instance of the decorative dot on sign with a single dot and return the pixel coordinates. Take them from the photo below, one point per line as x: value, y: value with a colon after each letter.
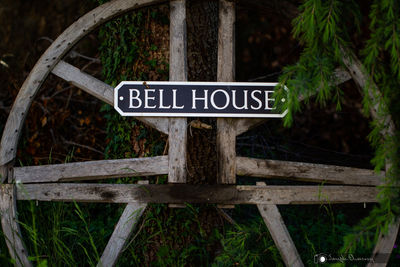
x: 121, y: 98
x: 322, y: 259
x: 283, y: 99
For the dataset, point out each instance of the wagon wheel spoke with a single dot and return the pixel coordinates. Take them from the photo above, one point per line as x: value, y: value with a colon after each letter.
x: 100, y: 90
x: 309, y: 172
x: 384, y: 246
x: 92, y: 170
x: 245, y: 124
x: 123, y: 230
x: 280, y: 233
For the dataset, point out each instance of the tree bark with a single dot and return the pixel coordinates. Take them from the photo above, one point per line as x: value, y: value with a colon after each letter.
x: 202, y: 29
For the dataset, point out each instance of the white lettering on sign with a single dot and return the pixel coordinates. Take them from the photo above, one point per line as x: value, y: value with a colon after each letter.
x: 205, y: 99
x: 161, y: 106
x: 174, y: 106
x: 256, y: 99
x: 131, y: 98
x: 244, y: 100
x: 227, y: 99
x: 147, y: 98
x: 267, y: 99
x: 197, y: 99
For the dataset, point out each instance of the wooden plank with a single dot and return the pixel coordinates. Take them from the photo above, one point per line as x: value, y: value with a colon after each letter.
x: 177, y: 139
x: 307, y: 172
x: 245, y: 124
x: 100, y: 90
x: 384, y: 245
x: 49, y: 60
x: 226, y: 127
x: 122, y: 232
x: 91, y: 170
x: 11, y: 230
x: 280, y: 234
x: 185, y: 193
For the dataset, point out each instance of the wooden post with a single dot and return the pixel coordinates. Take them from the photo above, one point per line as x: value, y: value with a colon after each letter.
x: 177, y: 72
x: 226, y: 127
x: 177, y: 138
x: 226, y: 132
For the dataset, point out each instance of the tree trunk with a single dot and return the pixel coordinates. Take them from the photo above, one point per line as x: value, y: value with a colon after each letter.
x: 202, y: 28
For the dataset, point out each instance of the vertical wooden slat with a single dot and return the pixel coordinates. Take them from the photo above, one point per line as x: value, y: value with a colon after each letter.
x: 11, y: 230
x: 280, y: 234
x: 122, y: 232
x: 226, y: 132
x: 177, y: 72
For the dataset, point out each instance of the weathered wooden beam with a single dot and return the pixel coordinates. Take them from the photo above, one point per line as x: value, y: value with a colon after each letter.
x: 122, y: 232
x: 92, y: 170
x: 280, y: 234
x: 49, y: 60
x: 307, y: 172
x: 245, y: 124
x: 100, y: 90
x: 384, y: 245
x: 84, y: 81
x: 177, y: 139
x: 185, y: 193
x: 11, y: 230
x: 226, y: 127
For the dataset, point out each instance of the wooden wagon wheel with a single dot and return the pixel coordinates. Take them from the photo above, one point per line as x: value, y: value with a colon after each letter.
x: 44, y: 183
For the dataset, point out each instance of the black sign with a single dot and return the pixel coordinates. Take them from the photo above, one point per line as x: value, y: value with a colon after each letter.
x: 196, y: 99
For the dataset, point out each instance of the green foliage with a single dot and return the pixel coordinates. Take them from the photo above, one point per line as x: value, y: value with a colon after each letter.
x: 172, y: 237
x: 323, y: 29
x: 61, y: 234
x: 248, y: 244
x: 122, y: 50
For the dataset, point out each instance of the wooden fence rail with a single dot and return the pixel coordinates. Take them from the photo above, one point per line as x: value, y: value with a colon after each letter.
x: 90, y: 170
x: 185, y: 193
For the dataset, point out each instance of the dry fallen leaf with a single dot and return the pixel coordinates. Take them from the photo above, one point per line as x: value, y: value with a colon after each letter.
x: 43, y: 120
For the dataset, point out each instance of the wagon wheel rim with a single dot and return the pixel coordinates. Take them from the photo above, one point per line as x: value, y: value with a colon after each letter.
x: 51, y: 61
